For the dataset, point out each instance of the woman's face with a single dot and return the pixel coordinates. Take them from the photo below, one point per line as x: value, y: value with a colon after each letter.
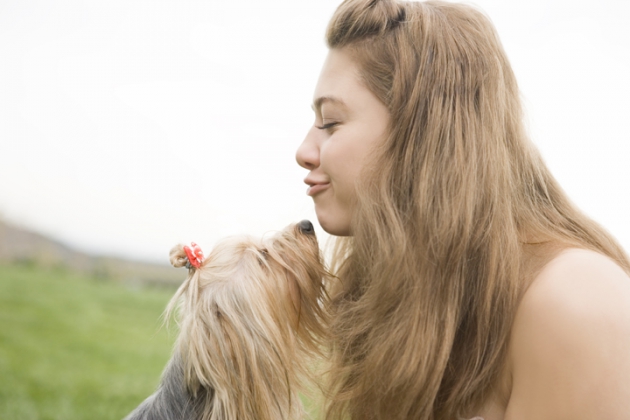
x: 349, y: 122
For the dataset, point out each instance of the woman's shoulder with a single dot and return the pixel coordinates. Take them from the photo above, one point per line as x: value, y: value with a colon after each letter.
x: 576, y: 279
x: 569, y: 347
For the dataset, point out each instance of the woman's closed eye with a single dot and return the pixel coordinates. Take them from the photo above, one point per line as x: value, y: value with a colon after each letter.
x: 327, y: 126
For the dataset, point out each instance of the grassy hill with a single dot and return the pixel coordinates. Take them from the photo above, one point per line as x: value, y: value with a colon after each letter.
x: 19, y: 245
x: 75, y: 347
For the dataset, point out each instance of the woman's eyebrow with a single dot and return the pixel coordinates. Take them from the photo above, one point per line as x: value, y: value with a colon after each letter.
x: 317, y: 104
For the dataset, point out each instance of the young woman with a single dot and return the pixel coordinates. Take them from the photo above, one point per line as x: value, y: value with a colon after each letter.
x: 469, y: 284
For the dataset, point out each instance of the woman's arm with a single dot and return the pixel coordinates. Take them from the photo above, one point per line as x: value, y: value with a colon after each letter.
x: 570, y: 346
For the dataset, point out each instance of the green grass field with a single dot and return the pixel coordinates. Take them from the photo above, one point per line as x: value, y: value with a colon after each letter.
x: 73, y: 347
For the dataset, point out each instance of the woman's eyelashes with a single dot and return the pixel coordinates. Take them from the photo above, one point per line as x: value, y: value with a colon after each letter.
x: 327, y: 126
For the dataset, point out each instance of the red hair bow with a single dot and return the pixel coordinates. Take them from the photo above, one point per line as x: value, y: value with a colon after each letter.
x: 194, y: 254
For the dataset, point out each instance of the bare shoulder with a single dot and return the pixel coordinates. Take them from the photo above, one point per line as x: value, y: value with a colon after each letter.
x: 578, y: 281
x: 570, y: 345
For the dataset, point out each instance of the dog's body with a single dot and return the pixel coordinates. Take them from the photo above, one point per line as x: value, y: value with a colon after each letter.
x: 172, y: 400
x: 250, y: 318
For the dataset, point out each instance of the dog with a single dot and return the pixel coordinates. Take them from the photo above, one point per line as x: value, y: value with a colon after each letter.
x: 251, y: 321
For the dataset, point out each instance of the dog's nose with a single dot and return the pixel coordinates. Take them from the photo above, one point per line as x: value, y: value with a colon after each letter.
x: 306, y: 227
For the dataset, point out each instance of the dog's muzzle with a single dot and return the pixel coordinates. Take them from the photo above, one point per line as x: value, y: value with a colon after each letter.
x: 306, y: 227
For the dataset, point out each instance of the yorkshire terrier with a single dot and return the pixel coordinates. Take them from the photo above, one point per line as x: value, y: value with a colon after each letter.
x: 251, y: 320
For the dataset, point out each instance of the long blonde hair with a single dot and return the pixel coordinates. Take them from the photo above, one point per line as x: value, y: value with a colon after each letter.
x: 433, y: 273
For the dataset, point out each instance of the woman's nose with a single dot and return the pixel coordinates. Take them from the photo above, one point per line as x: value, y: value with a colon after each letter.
x: 307, y: 155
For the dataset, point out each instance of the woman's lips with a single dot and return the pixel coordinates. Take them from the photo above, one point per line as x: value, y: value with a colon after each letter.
x: 316, y: 188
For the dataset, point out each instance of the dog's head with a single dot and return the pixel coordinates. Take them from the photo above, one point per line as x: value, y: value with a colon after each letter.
x: 249, y: 317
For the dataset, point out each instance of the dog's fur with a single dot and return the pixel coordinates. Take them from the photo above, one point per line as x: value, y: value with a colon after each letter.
x: 251, y: 318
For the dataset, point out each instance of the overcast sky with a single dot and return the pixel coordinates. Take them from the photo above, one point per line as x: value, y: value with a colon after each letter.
x: 127, y: 126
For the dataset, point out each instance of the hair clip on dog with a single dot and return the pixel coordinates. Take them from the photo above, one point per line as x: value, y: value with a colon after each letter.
x: 194, y: 254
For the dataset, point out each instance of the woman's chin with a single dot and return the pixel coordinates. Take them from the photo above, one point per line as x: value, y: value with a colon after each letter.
x: 333, y: 226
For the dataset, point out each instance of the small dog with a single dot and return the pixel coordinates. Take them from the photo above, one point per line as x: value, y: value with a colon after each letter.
x: 251, y: 319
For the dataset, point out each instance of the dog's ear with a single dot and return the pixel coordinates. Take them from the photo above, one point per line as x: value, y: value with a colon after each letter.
x: 235, y: 348
x: 206, y: 345
x: 209, y: 347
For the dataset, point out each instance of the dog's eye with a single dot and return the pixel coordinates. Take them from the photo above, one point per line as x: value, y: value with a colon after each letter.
x: 263, y: 256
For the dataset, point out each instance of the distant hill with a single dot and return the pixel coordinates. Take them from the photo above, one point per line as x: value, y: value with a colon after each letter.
x: 22, y: 246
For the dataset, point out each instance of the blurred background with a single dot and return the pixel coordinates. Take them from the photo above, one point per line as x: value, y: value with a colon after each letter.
x: 129, y: 126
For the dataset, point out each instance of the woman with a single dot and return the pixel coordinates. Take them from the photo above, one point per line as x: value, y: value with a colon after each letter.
x: 469, y: 284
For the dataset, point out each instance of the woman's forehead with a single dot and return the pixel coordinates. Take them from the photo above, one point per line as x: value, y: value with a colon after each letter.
x: 339, y: 76
x: 340, y: 84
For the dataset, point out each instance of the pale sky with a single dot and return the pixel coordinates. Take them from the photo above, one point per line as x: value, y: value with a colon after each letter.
x: 127, y: 126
